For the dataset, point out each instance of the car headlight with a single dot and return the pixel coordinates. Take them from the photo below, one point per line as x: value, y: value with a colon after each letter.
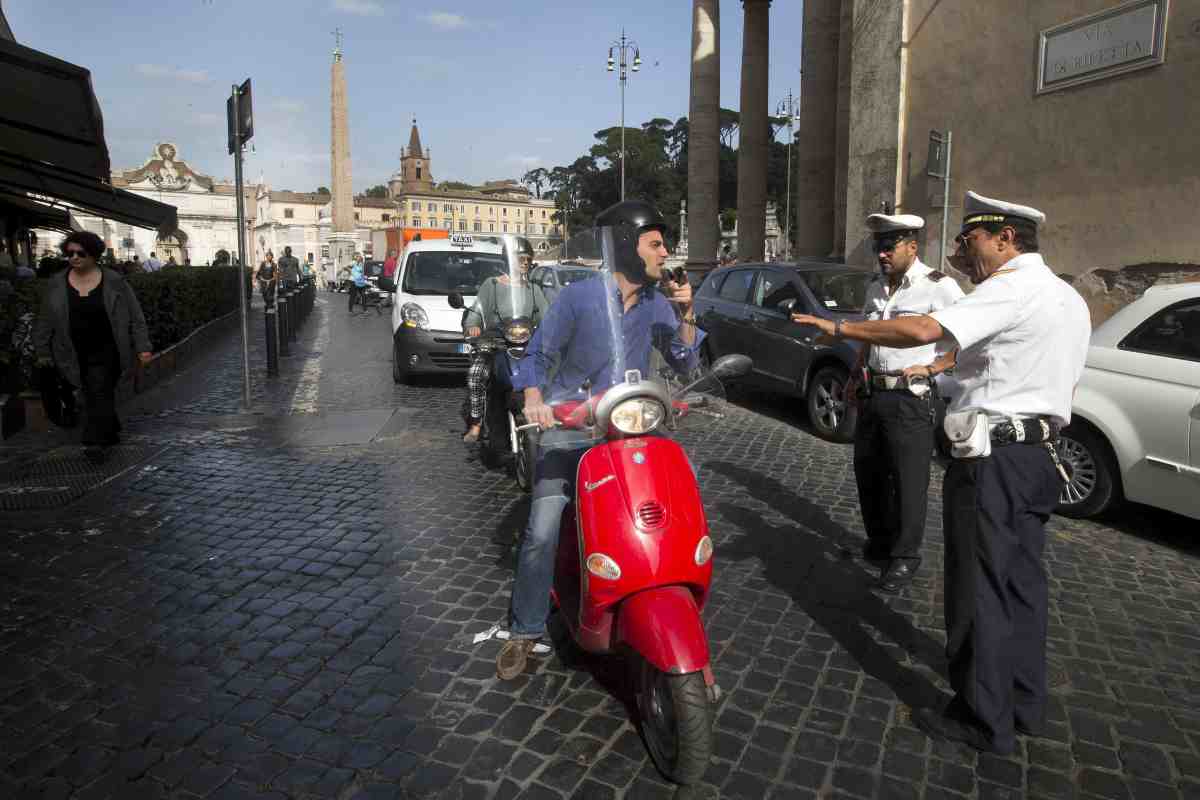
x: 414, y: 316
x: 517, y: 333
x: 637, y: 415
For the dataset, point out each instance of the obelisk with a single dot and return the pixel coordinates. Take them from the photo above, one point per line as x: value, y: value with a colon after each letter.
x: 342, y: 239
x: 704, y: 142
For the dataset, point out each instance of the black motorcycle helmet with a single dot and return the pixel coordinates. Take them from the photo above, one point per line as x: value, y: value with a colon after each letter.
x: 628, y: 220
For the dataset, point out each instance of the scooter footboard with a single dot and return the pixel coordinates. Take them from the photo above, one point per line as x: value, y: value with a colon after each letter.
x: 664, y: 626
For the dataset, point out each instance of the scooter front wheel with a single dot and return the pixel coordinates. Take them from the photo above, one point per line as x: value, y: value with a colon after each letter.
x: 676, y: 721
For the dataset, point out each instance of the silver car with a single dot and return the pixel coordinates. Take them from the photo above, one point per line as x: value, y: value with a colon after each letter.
x: 553, y: 278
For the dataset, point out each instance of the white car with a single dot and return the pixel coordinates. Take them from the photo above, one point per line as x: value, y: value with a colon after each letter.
x: 1135, y: 425
x: 427, y: 336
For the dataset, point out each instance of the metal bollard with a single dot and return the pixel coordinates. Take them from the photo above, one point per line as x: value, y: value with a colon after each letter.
x: 272, y: 346
x: 294, y: 313
x: 282, y: 305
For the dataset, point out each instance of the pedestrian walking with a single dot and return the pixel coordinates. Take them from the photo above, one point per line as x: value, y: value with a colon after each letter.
x: 91, y: 330
x: 267, y: 276
x: 1022, y: 337
x: 894, y: 438
x: 358, y: 281
x: 152, y: 264
x: 289, y: 269
x: 389, y: 264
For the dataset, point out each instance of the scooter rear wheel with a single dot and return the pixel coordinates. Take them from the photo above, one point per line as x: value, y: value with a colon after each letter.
x: 676, y: 720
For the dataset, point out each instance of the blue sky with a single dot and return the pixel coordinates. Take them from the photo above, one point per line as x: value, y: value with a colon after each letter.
x: 497, y: 87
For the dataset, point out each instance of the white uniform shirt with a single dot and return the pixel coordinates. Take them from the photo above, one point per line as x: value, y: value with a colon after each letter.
x: 1023, y: 335
x: 917, y: 294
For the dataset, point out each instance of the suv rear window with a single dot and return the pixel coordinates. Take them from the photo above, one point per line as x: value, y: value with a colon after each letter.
x: 444, y: 271
x: 838, y: 290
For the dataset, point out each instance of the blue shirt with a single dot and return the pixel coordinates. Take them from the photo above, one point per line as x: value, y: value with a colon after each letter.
x: 356, y: 275
x: 575, y: 342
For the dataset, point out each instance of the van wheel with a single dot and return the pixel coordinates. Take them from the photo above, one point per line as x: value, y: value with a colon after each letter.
x: 1094, y: 483
x: 833, y: 417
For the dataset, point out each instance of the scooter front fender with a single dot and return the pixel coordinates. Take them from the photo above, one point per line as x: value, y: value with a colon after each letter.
x: 664, y: 626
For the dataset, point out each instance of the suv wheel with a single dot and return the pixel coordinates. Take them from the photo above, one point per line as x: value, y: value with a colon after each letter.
x: 832, y: 417
x: 399, y: 374
x: 1092, y: 470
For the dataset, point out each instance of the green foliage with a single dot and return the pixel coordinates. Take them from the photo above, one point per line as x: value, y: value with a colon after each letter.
x: 323, y: 190
x: 378, y: 190
x: 178, y: 300
x: 455, y: 185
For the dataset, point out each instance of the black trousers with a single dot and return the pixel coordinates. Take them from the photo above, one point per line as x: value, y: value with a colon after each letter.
x: 355, y: 293
x: 99, y: 375
x: 893, y: 446
x: 994, y: 515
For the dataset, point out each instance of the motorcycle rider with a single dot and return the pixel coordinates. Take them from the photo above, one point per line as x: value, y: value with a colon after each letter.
x: 495, y: 302
x: 594, y: 331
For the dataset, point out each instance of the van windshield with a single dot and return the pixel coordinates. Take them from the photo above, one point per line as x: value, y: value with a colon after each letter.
x: 443, y: 271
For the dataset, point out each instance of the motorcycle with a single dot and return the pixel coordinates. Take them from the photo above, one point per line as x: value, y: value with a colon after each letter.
x: 634, y: 559
x: 504, y: 437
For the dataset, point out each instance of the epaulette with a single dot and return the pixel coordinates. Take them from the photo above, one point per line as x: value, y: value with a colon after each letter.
x: 934, y: 275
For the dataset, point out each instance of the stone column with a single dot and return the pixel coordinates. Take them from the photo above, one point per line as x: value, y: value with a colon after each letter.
x: 704, y: 135
x: 755, y: 130
x: 816, y: 140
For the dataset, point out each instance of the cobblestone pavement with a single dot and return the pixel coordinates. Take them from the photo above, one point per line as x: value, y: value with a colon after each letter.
x: 281, y: 604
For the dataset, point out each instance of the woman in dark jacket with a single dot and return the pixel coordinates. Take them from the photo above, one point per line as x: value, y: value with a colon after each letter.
x: 90, y: 328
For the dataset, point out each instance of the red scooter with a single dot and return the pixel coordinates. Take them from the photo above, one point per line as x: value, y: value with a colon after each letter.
x: 635, y: 558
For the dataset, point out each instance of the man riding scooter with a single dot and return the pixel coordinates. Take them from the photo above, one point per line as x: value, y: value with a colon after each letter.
x: 500, y: 298
x: 594, y: 332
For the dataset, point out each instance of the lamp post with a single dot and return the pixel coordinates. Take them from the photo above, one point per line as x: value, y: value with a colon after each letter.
x: 788, y: 107
x: 623, y: 47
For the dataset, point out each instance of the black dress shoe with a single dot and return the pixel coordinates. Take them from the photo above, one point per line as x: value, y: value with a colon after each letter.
x: 898, y: 575
x: 941, y: 725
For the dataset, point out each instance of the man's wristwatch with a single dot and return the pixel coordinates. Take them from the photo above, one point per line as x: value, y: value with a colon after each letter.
x: 837, y: 328
x: 690, y: 317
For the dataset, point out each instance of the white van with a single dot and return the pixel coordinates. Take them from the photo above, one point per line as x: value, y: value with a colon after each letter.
x: 427, y: 337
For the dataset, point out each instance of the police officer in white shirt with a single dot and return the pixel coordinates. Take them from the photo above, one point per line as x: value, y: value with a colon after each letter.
x: 1022, y: 337
x: 893, y: 441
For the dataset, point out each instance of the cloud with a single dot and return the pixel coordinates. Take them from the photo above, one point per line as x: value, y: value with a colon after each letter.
x: 162, y: 71
x: 445, y: 21
x: 363, y: 8
x: 525, y: 162
x: 286, y: 106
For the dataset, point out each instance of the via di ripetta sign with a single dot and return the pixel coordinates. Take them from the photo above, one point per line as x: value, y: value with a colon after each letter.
x: 1128, y: 37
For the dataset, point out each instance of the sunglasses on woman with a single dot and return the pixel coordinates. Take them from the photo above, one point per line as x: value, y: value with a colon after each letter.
x: 74, y: 253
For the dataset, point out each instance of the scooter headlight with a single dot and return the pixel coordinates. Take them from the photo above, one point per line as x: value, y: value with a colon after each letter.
x: 602, y: 566
x: 637, y: 415
x: 517, y: 333
x: 414, y: 316
x: 704, y: 551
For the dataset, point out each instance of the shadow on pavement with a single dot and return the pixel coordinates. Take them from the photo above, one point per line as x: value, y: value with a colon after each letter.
x: 807, y: 561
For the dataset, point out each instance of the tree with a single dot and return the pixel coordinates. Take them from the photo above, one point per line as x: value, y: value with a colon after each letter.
x: 455, y: 185
x: 535, y: 178
x: 378, y: 190
x: 323, y: 190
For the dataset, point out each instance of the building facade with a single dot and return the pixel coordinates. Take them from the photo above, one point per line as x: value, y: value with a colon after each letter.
x: 496, y: 207
x: 1073, y: 106
x: 207, y: 213
x: 303, y: 221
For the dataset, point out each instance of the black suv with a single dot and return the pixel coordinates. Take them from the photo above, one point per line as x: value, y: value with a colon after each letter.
x: 745, y: 309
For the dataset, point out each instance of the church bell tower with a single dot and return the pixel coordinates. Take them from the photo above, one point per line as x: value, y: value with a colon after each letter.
x: 414, y: 174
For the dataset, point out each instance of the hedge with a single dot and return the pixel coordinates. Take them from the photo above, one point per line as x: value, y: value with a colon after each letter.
x: 175, y: 301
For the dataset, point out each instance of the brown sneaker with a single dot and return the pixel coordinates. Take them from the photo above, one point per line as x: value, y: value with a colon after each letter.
x: 511, y: 661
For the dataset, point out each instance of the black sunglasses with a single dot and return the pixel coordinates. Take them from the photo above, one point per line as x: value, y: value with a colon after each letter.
x: 886, y: 244
x: 73, y: 253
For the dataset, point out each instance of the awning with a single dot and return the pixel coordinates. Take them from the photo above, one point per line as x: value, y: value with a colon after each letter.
x: 52, y: 140
x: 18, y: 177
x: 31, y: 214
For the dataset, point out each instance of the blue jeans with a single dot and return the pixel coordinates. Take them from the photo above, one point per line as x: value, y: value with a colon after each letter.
x: 559, y: 453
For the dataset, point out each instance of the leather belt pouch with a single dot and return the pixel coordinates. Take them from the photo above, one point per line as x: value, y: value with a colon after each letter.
x: 968, y: 432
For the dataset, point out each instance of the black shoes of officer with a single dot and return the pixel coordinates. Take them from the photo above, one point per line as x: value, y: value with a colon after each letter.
x: 947, y: 725
x: 898, y: 575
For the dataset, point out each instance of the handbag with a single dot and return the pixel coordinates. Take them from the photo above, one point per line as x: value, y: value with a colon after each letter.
x: 58, y: 397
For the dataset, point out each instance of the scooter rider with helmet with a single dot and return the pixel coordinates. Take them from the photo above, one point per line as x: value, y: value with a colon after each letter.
x: 593, y: 332
x: 501, y: 297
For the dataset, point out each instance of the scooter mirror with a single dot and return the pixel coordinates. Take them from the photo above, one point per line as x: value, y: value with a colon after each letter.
x: 732, y: 366
x: 455, y: 299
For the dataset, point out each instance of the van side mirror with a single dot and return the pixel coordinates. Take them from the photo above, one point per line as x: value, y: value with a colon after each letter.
x: 788, y: 306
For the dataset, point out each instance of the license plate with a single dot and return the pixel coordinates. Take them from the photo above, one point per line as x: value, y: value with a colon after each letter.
x: 464, y: 348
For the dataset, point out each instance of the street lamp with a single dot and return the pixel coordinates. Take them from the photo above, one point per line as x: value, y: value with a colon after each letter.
x: 623, y: 47
x: 789, y: 107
